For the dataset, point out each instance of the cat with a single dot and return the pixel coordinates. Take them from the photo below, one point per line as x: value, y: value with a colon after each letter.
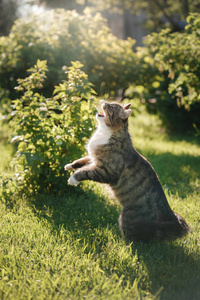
x: 112, y: 159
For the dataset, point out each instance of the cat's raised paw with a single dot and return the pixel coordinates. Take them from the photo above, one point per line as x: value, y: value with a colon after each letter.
x: 73, y: 181
x: 68, y: 167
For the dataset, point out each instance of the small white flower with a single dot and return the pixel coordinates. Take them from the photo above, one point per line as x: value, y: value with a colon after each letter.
x: 59, y: 143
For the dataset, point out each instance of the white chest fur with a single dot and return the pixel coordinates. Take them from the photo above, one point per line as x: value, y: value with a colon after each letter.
x: 100, y: 137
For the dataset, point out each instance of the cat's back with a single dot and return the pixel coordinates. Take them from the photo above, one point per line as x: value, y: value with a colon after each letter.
x: 138, y: 183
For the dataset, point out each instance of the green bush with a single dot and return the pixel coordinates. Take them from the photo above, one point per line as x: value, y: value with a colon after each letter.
x: 50, y: 131
x: 169, y: 75
x: 61, y: 36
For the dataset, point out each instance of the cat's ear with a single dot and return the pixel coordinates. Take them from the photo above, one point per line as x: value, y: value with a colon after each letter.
x: 127, y: 106
x: 126, y: 114
x: 127, y: 111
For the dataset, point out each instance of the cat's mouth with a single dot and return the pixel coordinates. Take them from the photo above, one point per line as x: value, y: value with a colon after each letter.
x: 102, y: 113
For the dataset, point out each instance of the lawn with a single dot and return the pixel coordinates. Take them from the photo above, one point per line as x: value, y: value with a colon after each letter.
x: 70, y: 247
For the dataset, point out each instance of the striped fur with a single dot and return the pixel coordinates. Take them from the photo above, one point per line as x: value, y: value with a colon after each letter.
x: 112, y: 159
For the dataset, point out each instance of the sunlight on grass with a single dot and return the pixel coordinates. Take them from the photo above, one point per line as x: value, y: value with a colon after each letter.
x: 148, y: 135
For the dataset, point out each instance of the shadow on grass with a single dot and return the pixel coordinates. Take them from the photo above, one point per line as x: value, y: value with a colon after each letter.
x: 81, y: 210
x: 173, y: 273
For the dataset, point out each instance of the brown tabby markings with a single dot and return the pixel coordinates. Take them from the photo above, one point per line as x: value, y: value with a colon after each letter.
x: 112, y: 159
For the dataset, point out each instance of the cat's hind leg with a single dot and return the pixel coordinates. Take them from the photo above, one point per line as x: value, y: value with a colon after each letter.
x: 138, y: 228
x: 135, y: 228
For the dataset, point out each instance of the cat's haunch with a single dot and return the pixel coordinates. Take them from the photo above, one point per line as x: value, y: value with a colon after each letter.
x: 112, y: 159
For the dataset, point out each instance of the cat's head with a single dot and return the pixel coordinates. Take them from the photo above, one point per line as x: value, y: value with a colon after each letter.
x: 114, y: 115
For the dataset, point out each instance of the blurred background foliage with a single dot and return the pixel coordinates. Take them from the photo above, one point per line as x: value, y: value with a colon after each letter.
x: 169, y: 75
x: 61, y: 36
x: 160, y: 12
x: 163, y: 73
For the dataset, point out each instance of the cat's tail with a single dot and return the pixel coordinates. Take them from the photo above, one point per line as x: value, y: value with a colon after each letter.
x: 146, y: 230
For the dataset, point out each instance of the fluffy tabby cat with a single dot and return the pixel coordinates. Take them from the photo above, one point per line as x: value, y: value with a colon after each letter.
x: 112, y: 159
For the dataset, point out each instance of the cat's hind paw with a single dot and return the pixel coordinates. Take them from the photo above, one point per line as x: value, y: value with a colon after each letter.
x: 68, y: 167
x: 73, y: 181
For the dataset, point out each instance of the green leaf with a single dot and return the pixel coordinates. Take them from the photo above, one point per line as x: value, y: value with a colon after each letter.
x: 41, y: 64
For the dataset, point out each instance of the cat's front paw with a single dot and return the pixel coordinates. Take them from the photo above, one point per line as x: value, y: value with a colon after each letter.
x: 73, y: 181
x: 68, y: 167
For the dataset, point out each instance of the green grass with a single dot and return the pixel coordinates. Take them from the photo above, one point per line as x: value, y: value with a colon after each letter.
x: 70, y: 247
x: 6, y: 150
